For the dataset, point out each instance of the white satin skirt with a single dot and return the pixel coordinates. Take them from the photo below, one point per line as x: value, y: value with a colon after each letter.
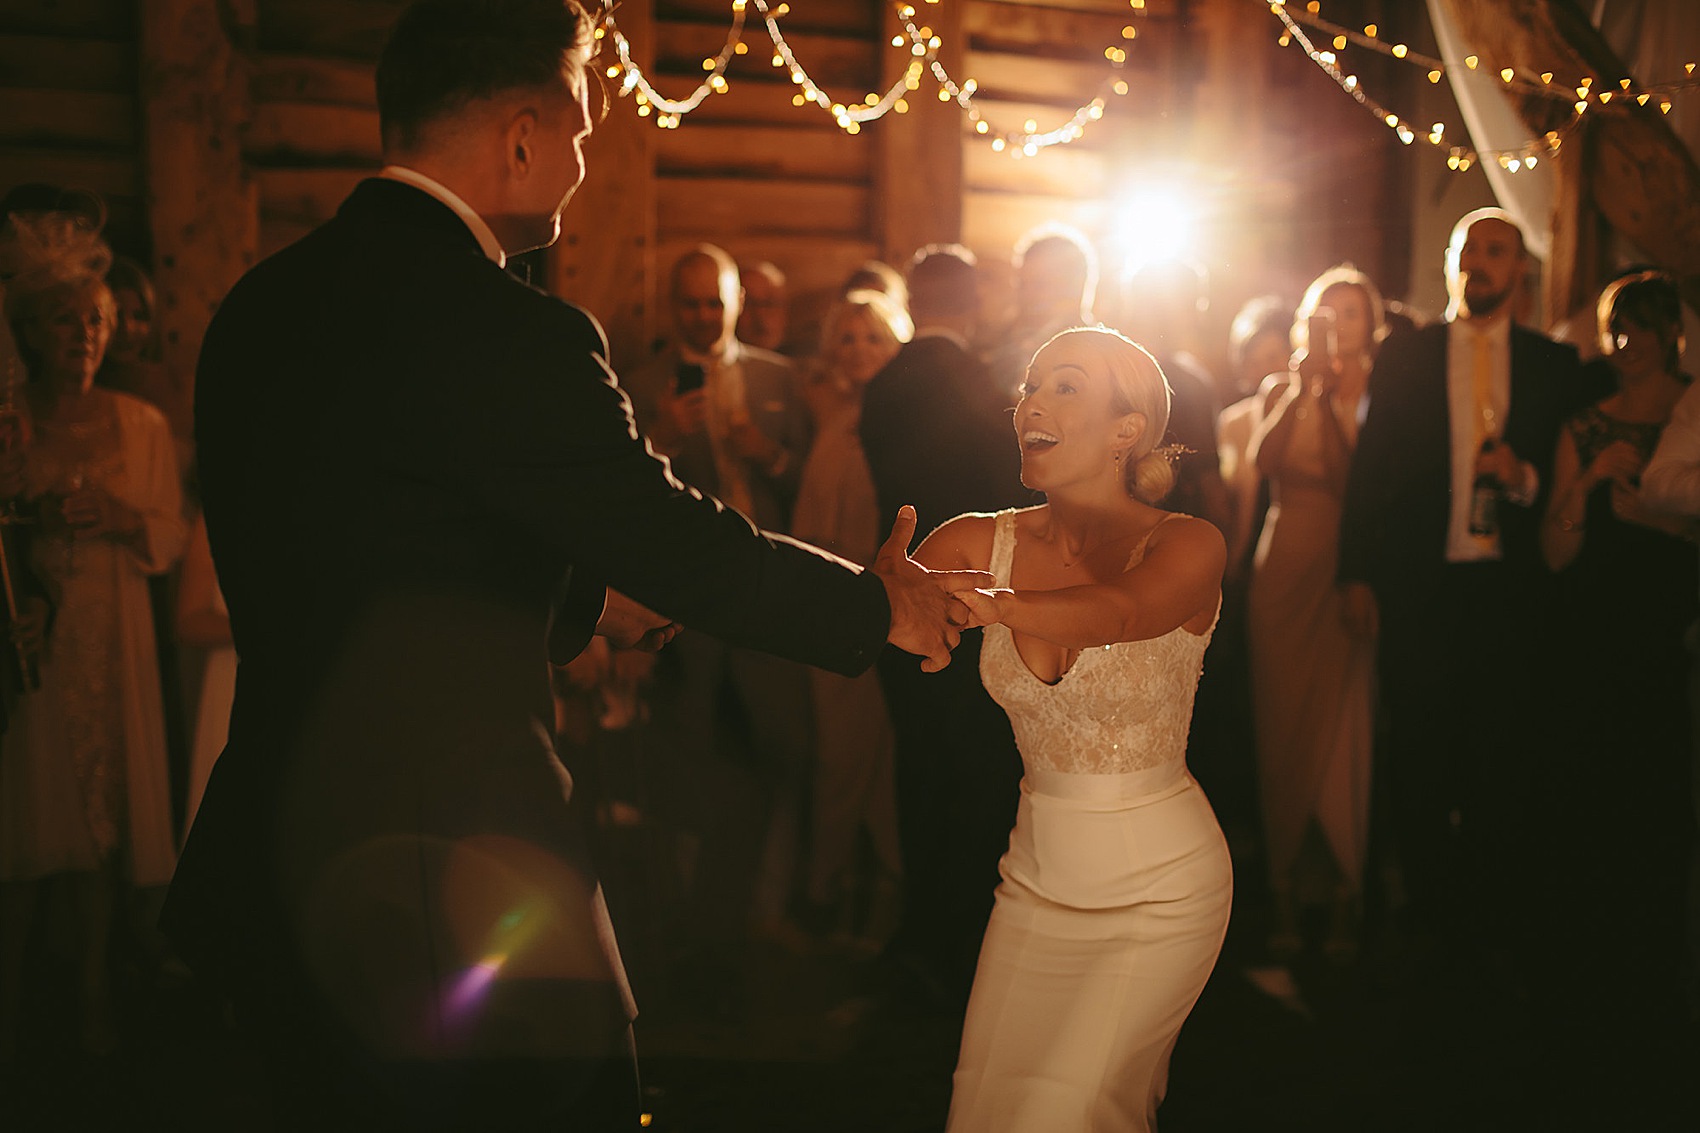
x: 1112, y: 910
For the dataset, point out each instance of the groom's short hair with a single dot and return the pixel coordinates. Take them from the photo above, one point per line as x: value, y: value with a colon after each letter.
x: 443, y: 55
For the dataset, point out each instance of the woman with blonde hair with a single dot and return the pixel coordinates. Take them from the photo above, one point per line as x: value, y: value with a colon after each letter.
x: 837, y: 509
x: 84, y: 793
x: 1312, y: 679
x: 1117, y: 883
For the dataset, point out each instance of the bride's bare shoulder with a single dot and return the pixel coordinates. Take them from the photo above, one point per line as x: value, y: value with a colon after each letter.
x: 963, y: 543
x: 1189, y: 535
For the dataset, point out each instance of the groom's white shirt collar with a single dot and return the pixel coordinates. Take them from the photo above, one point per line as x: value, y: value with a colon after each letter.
x: 481, y: 231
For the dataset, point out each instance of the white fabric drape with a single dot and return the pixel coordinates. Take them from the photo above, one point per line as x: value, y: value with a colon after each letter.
x: 1494, y: 125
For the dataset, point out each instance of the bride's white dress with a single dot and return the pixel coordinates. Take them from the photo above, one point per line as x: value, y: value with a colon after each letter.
x: 1115, y: 892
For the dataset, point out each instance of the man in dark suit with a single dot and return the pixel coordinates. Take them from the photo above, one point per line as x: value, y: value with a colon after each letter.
x: 1438, y: 545
x: 738, y: 733
x: 420, y: 476
x: 937, y: 433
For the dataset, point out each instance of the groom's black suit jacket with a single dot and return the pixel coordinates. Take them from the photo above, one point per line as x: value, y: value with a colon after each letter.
x: 419, y: 474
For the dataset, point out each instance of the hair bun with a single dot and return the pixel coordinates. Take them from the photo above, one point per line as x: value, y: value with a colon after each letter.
x: 1152, y: 476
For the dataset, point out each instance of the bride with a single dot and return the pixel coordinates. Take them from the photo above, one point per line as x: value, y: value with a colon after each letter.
x: 1117, y: 883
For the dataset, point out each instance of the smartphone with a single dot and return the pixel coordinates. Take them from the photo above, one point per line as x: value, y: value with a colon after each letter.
x: 688, y: 377
x: 1321, y: 333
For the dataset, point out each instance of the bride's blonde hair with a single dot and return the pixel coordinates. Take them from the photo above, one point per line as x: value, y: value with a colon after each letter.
x: 1139, y: 387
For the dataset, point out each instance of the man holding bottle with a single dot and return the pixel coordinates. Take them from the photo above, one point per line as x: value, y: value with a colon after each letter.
x: 1439, y: 546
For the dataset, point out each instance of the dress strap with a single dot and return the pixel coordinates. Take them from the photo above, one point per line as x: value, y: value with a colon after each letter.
x: 1003, y: 546
x: 1137, y: 555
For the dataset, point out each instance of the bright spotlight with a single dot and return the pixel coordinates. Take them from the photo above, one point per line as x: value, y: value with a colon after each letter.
x: 1155, y: 223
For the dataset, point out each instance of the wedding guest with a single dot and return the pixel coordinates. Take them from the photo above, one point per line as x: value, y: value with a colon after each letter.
x: 877, y: 275
x: 84, y: 783
x: 765, y: 316
x: 837, y: 509
x: 1312, y: 679
x: 1670, y: 486
x: 734, y: 723
x: 1460, y: 413
x: 1260, y: 346
x: 133, y: 364
x: 1627, y: 583
x: 936, y: 435
x: 1056, y: 277
x: 1259, y: 339
x: 1162, y: 306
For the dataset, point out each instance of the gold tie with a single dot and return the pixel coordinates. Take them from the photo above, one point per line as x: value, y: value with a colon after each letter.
x: 1487, y: 416
x: 1484, y: 493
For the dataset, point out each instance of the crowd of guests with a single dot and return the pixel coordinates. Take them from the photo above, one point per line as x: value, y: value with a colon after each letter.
x: 1451, y: 655
x: 1423, y: 744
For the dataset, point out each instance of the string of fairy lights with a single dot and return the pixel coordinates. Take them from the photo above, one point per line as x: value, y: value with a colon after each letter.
x: 918, y: 39
x: 922, y: 44
x: 1587, y: 94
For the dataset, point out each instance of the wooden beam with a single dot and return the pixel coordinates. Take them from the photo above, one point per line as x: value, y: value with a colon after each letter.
x: 305, y: 194
x: 814, y: 150
x: 1028, y: 24
x: 918, y: 168
x: 57, y: 62
x: 1060, y: 81
x: 92, y: 19
x: 993, y: 222
x: 726, y: 206
x: 1063, y: 171
x: 109, y: 174
x: 282, y: 77
x: 67, y: 118
x: 297, y: 131
x: 605, y: 258
x: 345, y: 29
x: 202, y: 207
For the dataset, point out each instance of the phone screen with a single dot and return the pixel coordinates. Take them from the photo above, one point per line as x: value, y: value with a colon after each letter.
x: 1321, y: 332
x: 689, y: 376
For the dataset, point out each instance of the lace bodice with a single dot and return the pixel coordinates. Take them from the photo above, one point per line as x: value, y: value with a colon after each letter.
x: 1118, y: 708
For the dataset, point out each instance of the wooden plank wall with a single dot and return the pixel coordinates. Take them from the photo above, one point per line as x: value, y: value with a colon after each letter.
x: 1254, y: 130
x: 314, y: 134
x: 749, y: 171
x: 768, y: 180
x: 69, y: 111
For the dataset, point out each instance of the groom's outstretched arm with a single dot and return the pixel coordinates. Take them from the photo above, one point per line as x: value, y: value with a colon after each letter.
x: 560, y: 454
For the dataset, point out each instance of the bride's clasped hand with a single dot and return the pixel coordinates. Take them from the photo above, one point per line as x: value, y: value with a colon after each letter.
x: 982, y: 604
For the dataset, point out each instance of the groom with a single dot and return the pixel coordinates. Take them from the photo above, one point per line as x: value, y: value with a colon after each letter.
x: 420, y: 478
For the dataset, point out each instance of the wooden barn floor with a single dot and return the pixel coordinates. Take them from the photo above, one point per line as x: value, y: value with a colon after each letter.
x: 1391, y: 1043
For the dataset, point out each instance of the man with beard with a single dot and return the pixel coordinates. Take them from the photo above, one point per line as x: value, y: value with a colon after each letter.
x: 1439, y: 544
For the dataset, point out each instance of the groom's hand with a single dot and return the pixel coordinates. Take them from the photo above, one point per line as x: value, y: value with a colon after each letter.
x: 630, y: 625
x: 925, y: 619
